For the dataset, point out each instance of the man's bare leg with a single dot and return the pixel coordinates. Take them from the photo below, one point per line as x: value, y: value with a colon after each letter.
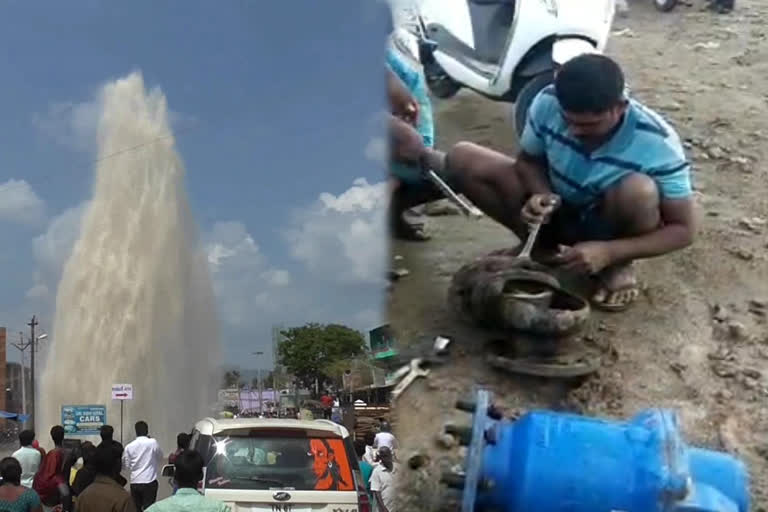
x: 486, y: 177
x: 489, y: 181
x: 633, y: 207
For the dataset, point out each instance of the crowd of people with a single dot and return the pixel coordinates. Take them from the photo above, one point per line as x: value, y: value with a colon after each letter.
x: 88, y: 478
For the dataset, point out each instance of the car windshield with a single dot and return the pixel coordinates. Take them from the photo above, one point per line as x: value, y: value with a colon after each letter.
x: 268, y: 462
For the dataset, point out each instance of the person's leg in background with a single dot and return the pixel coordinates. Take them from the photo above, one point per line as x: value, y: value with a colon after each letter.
x: 137, y: 497
x: 150, y: 496
x: 722, y: 6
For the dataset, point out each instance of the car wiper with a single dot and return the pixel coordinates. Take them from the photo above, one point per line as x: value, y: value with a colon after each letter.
x: 258, y: 479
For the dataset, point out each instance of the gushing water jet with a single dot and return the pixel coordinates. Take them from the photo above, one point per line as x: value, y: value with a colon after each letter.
x: 135, y: 302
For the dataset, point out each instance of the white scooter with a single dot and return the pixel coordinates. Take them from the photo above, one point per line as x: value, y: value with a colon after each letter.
x: 505, y: 50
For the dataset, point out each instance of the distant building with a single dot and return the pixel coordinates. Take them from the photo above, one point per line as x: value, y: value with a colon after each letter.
x: 14, y: 394
x: 383, y: 343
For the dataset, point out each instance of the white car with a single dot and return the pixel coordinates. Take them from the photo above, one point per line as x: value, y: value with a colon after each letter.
x: 279, y: 465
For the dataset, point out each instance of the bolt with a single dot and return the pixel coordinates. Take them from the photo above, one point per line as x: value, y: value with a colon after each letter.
x: 486, y: 484
x: 494, y: 412
x: 466, y: 405
x: 453, y: 480
x: 463, y: 434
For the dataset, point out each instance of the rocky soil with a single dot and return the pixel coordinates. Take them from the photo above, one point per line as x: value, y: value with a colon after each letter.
x: 697, y: 340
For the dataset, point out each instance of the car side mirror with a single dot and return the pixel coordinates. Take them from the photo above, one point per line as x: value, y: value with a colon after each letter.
x: 169, y: 470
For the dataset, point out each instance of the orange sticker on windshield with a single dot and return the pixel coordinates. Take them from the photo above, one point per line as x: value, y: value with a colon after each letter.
x: 331, y: 465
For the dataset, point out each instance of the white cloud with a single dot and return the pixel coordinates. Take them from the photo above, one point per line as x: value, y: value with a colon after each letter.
x: 52, y: 249
x: 20, y: 204
x: 376, y: 150
x: 344, y: 237
x: 75, y: 125
x: 38, y: 291
x: 229, y: 245
x: 246, y: 286
x: 277, y: 277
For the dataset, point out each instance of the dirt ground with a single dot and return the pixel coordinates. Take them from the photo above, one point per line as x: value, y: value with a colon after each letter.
x: 697, y: 339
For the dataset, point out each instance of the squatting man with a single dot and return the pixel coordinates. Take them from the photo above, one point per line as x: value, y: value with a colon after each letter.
x: 606, y: 176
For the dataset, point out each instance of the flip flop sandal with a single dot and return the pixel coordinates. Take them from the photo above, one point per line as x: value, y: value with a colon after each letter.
x: 617, y: 308
x: 553, y: 368
x: 411, y: 232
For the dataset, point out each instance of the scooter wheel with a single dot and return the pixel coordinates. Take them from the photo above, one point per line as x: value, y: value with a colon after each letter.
x: 526, y: 96
x: 443, y: 87
x: 665, y: 5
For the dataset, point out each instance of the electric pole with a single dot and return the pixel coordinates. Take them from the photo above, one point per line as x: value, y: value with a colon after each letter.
x: 33, y: 340
x: 258, y: 379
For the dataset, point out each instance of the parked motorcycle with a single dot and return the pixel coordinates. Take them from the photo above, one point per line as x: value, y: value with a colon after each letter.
x: 506, y: 50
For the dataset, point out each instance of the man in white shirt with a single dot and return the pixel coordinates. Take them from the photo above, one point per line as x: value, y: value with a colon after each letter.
x: 142, y: 457
x: 383, y: 481
x: 28, y: 457
x: 385, y: 438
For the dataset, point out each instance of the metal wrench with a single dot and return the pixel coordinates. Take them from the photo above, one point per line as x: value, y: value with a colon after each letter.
x: 401, y: 372
x: 525, y: 254
x: 466, y: 208
x: 553, y: 202
x: 416, y: 372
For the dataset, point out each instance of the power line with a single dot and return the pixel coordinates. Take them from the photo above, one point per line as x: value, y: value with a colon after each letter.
x: 172, y: 133
x: 91, y: 163
x: 139, y: 146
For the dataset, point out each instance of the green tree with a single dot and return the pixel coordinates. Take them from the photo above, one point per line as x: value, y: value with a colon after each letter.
x: 310, y: 350
x: 232, y: 379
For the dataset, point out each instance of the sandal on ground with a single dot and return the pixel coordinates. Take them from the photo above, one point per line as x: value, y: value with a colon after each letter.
x: 615, y: 299
x: 410, y: 231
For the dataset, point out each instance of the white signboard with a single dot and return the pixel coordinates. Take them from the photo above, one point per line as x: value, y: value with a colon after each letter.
x: 122, y: 391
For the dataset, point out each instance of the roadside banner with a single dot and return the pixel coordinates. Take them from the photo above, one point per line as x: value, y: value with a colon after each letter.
x: 83, y: 420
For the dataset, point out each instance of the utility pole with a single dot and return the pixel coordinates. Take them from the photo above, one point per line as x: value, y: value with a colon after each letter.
x: 258, y: 380
x: 33, y: 340
x: 275, y: 392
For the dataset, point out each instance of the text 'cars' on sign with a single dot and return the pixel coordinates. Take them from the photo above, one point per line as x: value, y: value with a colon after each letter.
x: 84, y: 420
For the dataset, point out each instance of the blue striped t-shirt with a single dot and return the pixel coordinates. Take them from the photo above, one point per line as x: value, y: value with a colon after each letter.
x: 644, y: 143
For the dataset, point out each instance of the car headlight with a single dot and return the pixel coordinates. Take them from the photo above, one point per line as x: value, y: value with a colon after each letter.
x: 551, y: 6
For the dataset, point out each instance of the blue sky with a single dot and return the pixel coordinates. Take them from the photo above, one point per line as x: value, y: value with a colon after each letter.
x: 275, y: 108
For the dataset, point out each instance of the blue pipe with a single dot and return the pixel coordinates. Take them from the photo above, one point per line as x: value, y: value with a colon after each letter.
x: 552, y: 462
